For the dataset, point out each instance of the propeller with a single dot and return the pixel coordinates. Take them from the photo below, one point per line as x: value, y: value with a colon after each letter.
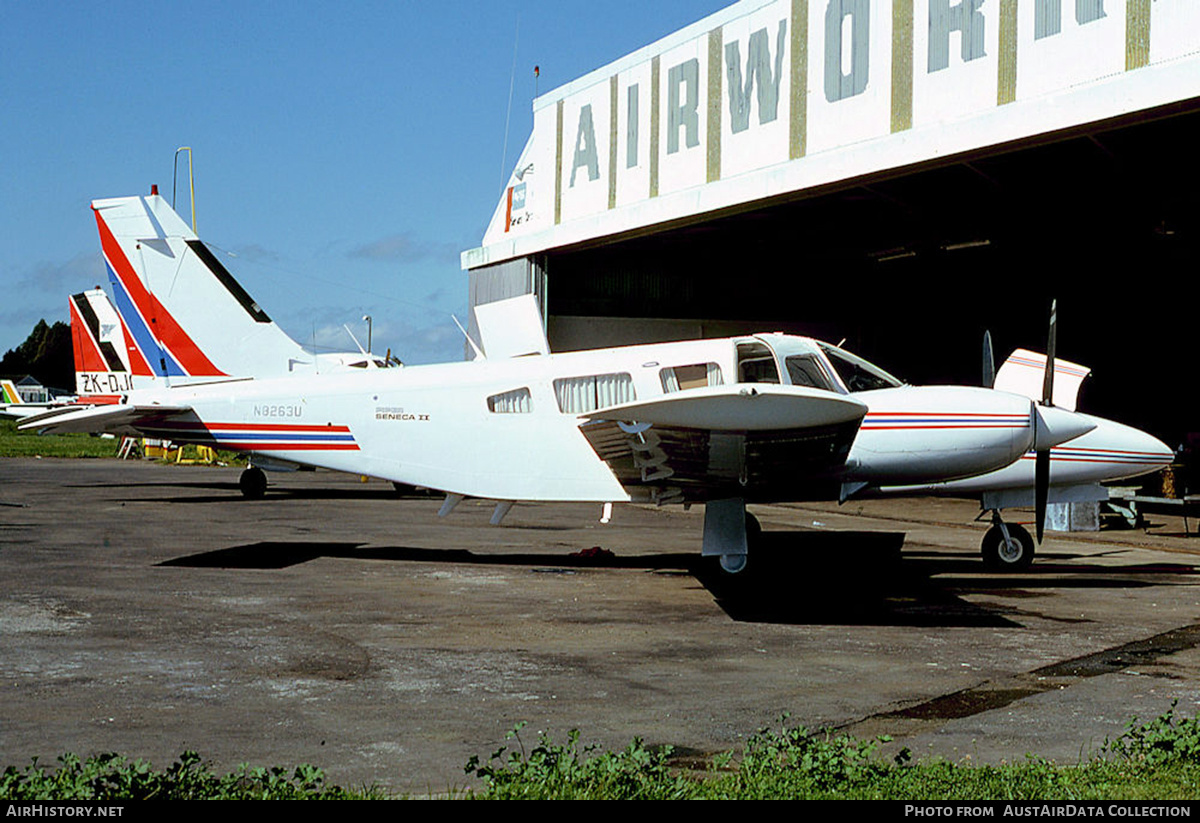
x: 989, y: 361
x: 1041, y: 466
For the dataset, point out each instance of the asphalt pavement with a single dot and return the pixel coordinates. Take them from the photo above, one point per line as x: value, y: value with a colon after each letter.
x: 148, y: 610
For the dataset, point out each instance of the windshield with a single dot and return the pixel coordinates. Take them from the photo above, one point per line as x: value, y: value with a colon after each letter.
x: 856, y: 373
x: 806, y: 370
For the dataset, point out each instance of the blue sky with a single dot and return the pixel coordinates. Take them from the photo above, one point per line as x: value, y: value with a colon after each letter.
x: 345, y: 153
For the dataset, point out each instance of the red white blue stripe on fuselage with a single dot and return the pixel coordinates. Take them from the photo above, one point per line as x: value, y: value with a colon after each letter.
x: 885, y: 421
x: 258, y: 436
x: 1115, y: 457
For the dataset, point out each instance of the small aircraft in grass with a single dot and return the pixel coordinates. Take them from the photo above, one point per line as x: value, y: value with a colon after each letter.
x: 14, y: 407
x: 757, y: 418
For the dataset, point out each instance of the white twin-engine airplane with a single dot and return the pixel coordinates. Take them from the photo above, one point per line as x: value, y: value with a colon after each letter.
x: 760, y: 418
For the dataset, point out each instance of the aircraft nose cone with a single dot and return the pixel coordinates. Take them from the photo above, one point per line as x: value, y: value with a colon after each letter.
x: 1053, y: 426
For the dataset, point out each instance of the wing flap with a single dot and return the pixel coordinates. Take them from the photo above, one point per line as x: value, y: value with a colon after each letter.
x: 744, y: 407
x: 756, y: 442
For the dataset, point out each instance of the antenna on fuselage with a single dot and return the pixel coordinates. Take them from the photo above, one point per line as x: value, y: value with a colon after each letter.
x: 474, y: 347
x: 355, y: 339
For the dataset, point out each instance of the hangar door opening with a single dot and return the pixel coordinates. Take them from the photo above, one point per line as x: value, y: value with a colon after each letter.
x: 910, y: 269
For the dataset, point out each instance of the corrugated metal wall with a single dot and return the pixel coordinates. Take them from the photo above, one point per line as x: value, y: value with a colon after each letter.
x: 512, y: 278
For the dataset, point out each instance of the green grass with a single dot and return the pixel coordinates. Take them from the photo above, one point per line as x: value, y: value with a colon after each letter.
x: 15, y: 443
x: 31, y: 444
x: 1159, y: 760
x: 109, y: 777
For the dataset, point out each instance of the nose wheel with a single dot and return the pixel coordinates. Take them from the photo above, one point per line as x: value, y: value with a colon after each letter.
x: 1007, y: 547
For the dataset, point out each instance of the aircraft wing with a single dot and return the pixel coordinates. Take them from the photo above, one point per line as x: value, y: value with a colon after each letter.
x: 117, y: 418
x: 18, y: 411
x: 761, y: 441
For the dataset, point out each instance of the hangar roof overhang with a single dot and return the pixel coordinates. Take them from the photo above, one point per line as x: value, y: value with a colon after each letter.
x: 773, y: 101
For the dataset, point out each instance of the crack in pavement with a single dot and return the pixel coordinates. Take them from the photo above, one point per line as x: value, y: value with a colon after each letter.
x: 994, y: 694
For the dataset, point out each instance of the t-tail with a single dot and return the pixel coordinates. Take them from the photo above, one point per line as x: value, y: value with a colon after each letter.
x: 183, y: 314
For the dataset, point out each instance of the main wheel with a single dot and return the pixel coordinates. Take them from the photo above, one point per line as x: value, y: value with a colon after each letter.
x: 733, y: 563
x: 736, y: 563
x: 1012, y: 555
x: 253, y: 483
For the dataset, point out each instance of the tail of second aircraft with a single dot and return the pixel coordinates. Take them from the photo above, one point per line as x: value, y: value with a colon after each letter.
x: 183, y: 315
x: 8, y: 393
x: 107, y: 360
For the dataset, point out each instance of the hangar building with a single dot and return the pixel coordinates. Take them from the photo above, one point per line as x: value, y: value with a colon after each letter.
x: 903, y: 174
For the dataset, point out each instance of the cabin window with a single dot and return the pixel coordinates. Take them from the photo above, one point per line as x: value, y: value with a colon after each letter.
x: 578, y: 395
x: 805, y: 370
x: 697, y: 375
x: 756, y: 364
x: 516, y: 401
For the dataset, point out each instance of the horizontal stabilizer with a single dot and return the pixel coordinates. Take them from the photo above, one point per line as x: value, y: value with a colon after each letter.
x: 110, y: 418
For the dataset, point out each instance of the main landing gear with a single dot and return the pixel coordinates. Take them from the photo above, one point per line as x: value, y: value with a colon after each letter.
x: 1007, y: 547
x: 253, y: 483
x: 729, y: 531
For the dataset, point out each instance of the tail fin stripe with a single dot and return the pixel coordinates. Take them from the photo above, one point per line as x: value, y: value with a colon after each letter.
x: 86, y: 352
x: 186, y: 353
x: 138, y: 364
x: 92, y: 324
x: 158, y: 357
x: 227, y: 280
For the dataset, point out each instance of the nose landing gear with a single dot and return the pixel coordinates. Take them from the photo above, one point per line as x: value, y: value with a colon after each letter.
x: 1007, y: 547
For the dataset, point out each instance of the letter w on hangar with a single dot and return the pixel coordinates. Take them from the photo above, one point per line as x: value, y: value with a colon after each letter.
x: 900, y: 173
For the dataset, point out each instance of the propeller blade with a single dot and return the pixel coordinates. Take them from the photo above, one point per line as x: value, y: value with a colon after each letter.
x: 1051, y: 345
x: 1041, y: 490
x: 989, y: 361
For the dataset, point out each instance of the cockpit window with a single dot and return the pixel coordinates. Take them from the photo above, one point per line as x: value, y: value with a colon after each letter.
x: 856, y: 373
x: 805, y: 370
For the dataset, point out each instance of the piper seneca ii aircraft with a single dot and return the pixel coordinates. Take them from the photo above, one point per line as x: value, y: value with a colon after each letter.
x: 759, y: 418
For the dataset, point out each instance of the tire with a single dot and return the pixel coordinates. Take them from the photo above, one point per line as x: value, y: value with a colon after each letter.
x: 735, y: 564
x: 1016, y: 556
x: 253, y: 483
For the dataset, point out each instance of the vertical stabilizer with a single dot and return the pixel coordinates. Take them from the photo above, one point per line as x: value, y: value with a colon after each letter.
x: 182, y: 311
x: 9, y: 394
x: 107, y: 359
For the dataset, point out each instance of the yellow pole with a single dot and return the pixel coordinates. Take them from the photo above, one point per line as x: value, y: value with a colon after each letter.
x: 191, y: 182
